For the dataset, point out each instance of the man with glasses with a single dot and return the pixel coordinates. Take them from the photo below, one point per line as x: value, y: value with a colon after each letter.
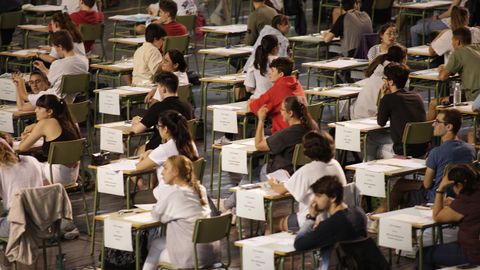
x: 38, y: 82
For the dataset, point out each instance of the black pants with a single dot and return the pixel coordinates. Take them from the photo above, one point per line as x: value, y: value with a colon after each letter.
x: 6, y: 35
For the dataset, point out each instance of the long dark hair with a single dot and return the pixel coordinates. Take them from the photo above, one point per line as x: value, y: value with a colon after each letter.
x: 465, y: 174
x: 177, y: 126
x: 396, y: 53
x: 267, y: 45
x: 298, y: 106
x: 60, y: 112
x: 65, y: 23
x: 177, y: 58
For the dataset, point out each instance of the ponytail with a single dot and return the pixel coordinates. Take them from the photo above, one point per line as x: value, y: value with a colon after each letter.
x: 185, y: 171
x: 395, y: 53
x: 298, y: 106
x: 178, y: 128
x: 60, y: 112
x: 266, y: 47
x: 65, y: 23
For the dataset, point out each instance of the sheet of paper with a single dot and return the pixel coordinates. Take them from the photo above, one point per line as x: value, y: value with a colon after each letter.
x: 110, y: 182
x: 250, y: 204
x: 225, y: 107
x: 109, y: 102
x: 259, y: 241
x: 374, y: 167
x: 124, y: 64
x: 33, y: 26
x: 111, y: 140
x: 6, y: 121
x: 399, y: 162
x: 370, y: 183
x: 347, y: 138
x: 250, y: 142
x: 257, y: 258
x: 419, y: 50
x: 368, y: 121
x: 8, y: 91
x: 122, y: 165
x: 141, y: 218
x: 113, y: 124
x: 413, y: 219
x: 234, y: 159
x: 118, y: 235
x: 44, y: 8
x: 340, y: 63
x: 148, y: 206
x: 395, y: 234
x: 136, y: 88
x: 137, y: 40
x: 280, y: 175
x: 225, y: 121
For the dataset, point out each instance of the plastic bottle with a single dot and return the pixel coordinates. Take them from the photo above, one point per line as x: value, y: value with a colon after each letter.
x: 457, y: 94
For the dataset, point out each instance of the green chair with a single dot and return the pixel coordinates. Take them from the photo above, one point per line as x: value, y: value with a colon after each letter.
x: 316, y: 111
x: 208, y: 230
x: 188, y: 21
x: 94, y: 32
x: 176, y: 42
x: 192, y: 127
x: 199, y: 169
x: 416, y: 133
x: 80, y: 113
x: 66, y: 153
x: 75, y: 84
x: 185, y: 94
x: 299, y: 158
x: 380, y: 5
x: 10, y: 20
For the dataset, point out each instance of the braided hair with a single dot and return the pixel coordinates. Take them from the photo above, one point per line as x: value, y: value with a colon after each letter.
x: 185, y: 170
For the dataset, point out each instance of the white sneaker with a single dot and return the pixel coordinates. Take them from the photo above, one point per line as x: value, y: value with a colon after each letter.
x: 222, y: 140
x: 71, y: 234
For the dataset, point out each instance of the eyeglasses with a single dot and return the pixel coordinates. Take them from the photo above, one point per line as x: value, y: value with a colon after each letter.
x: 385, y: 78
x: 159, y: 126
x: 35, y: 82
x: 436, y: 121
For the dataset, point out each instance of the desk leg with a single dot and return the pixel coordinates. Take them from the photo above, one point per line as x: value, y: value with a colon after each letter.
x: 212, y: 162
x: 127, y: 191
x: 129, y: 104
x: 114, y: 53
x: 219, y: 177
x: 308, y: 77
x: 203, y: 65
x: 129, y: 139
x: 115, y: 29
x: 423, y: 19
x: 420, y: 250
x: 137, y: 249
x: 25, y: 39
x: 337, y: 110
x: 205, y: 38
x: 335, y: 77
x: 365, y: 138
x: 387, y: 194
x: 270, y: 215
x: 96, y: 202
x: 102, y: 259
x: 475, y: 129
x: 281, y: 262
x: 293, y: 49
x: 250, y: 162
x: 203, y: 113
x: 239, y: 228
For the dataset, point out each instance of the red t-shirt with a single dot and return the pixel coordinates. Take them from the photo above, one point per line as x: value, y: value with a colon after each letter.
x: 273, y: 98
x: 175, y: 29
x: 87, y: 17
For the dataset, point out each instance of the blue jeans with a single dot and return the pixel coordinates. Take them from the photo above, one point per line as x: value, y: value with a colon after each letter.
x: 450, y: 254
x: 416, y: 31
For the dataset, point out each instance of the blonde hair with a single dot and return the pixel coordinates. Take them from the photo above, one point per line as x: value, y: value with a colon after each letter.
x: 185, y: 171
x: 7, y: 155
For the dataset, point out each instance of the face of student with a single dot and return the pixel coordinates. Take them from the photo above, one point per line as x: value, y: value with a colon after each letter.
x: 439, y: 126
x: 163, y: 130
x: 59, y: 50
x: 167, y: 64
x: 276, y: 50
x: 37, y: 84
x: 42, y: 113
x: 286, y: 115
x: 274, y: 75
x: 164, y: 16
x: 169, y: 173
x: 390, y: 36
x: 322, y: 201
x: 455, y: 43
x: 284, y: 28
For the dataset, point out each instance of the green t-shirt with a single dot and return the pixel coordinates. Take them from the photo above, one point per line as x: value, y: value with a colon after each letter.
x: 466, y: 61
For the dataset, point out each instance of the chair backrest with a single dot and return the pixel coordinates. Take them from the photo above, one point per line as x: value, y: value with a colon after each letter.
x: 184, y: 93
x: 212, y: 229
x: 367, y: 40
x: 299, y: 158
x: 79, y: 111
x: 351, y: 195
x: 416, y: 133
x: 10, y: 20
x: 192, y: 128
x: 316, y: 111
x: 92, y: 31
x: 382, y: 4
x: 188, y: 21
x: 66, y: 152
x: 199, y: 168
x: 360, y: 254
x: 75, y: 84
x: 176, y: 42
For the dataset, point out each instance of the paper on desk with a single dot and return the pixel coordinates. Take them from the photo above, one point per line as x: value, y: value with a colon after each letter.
x: 412, y: 219
x: 111, y: 140
x: 347, y: 138
x: 225, y: 121
x: 29, y: 51
x: 135, y: 88
x: 409, y: 163
x: 33, y: 26
x: 113, y: 124
x: 122, y: 165
x: 118, y: 234
x: 370, y: 183
x: 148, y: 206
x: 8, y: 91
x: 257, y: 258
x: 234, y: 77
x: 225, y: 107
x: 234, y: 28
x: 44, y: 8
x: 250, y: 204
x: 137, y: 39
x: 145, y: 217
x: 427, y: 72
x: 341, y: 63
x: 6, y: 121
x: 38, y: 143
x: 280, y: 175
x: 259, y: 241
x: 234, y: 159
x: 124, y: 64
x: 250, y: 142
x: 395, y: 234
x: 110, y: 182
x: 419, y: 49
x: 109, y: 102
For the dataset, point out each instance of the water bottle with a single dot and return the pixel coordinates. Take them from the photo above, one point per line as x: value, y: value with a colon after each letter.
x: 457, y: 94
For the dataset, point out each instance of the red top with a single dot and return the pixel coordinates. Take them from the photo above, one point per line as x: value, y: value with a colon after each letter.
x: 175, y: 29
x: 87, y: 17
x: 284, y: 87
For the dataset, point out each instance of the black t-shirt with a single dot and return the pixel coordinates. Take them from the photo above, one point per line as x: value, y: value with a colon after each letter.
x: 151, y: 116
x: 337, y: 27
x: 281, y: 145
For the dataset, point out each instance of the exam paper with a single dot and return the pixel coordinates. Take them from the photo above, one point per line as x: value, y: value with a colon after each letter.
x: 145, y: 217
x: 118, y: 235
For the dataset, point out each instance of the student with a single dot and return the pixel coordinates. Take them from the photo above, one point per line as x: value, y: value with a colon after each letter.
x: 173, y: 61
x: 167, y: 15
x: 463, y: 211
x: 465, y: 60
x: 185, y: 7
x: 87, y: 15
x: 367, y: 100
x: 147, y: 59
x: 172, y: 127
x: 167, y: 84
x: 62, y: 21
x: 38, y: 83
x: 284, y: 85
x: 69, y: 64
x: 320, y: 148
x: 182, y: 200
x: 6, y: 35
x: 75, y: 5
x: 257, y: 81
x: 349, y: 27
x: 387, y: 36
x: 262, y: 15
x: 279, y: 28
x: 343, y: 224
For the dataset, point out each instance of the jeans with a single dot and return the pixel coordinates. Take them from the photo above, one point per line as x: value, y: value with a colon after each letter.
x: 379, y: 145
x: 442, y: 255
x: 416, y: 31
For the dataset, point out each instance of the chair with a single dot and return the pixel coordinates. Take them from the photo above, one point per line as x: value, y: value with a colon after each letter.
x: 360, y: 254
x: 65, y: 153
x: 74, y: 84
x: 94, y: 32
x: 367, y: 40
x: 176, y: 42
x: 208, y: 230
x: 10, y: 20
x: 299, y: 158
x: 381, y: 5
x: 192, y: 128
x: 416, y: 133
x: 199, y: 169
x: 316, y: 111
x: 185, y: 94
x: 80, y: 113
x: 188, y: 21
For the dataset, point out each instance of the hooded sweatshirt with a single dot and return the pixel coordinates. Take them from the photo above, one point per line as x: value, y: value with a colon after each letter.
x: 284, y: 87
x: 87, y: 17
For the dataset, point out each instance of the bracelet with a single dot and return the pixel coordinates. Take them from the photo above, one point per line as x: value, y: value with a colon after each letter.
x: 439, y: 191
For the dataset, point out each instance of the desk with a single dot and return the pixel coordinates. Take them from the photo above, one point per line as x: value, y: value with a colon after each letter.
x: 27, y: 55
x: 116, y: 68
x: 420, y: 55
x: 313, y: 39
x: 131, y: 42
x: 27, y: 28
x: 331, y: 68
x: 225, y: 53
x: 18, y: 116
x: 337, y: 93
x: 241, y: 110
x: 41, y: 11
x: 428, y: 78
x: 130, y: 20
x: 227, y: 31
x: 465, y: 110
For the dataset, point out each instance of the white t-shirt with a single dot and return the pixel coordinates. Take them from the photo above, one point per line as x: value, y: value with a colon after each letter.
x: 184, y: 7
x: 255, y: 80
x: 182, y: 80
x: 74, y: 5
x: 78, y: 48
x: 299, y: 183
x: 25, y: 174
x: 146, y: 60
x: 443, y: 44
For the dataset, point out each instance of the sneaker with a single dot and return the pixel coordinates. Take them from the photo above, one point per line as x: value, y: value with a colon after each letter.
x: 222, y: 140
x: 372, y: 225
x: 71, y: 234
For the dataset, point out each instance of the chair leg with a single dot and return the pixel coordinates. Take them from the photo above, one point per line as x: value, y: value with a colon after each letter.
x: 87, y: 221
x: 44, y: 248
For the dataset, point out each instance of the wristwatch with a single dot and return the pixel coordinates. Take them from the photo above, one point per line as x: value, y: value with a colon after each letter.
x: 311, y: 217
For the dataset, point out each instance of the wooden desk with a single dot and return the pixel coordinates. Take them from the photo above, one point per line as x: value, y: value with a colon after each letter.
x: 420, y: 55
x: 227, y: 31
x: 336, y: 93
x: 27, y: 55
x: 331, y: 68
x: 41, y: 11
x: 130, y: 21
x: 132, y: 42
x: 117, y: 69
x: 313, y: 39
x: 42, y: 30
x: 427, y: 79
x: 225, y: 53
x: 18, y: 116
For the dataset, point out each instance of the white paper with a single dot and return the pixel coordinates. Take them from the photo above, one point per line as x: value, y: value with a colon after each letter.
x: 7, y: 90
x: 395, y: 234
x: 413, y: 219
x: 225, y: 121
x: 148, y: 206
x: 234, y: 159
x: 423, y: 50
x: 33, y: 26
x: 250, y: 204
x: 110, y: 182
x: 109, y: 102
x: 370, y: 183
x: 280, y: 175
x: 118, y: 235
x: 123, y: 165
x: 250, y: 142
x: 347, y: 138
x: 257, y: 258
x: 259, y: 240
x: 136, y: 88
x: 44, y: 8
x: 6, y: 121
x: 111, y: 140
x: 408, y: 163
x: 225, y: 107
x: 135, y: 40
x: 141, y: 218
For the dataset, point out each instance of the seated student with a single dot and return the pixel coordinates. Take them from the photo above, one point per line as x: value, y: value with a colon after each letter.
x: 343, y: 224
x: 69, y: 64
x: 182, y: 200
x: 463, y: 179
x: 87, y: 15
x: 6, y: 35
x: 172, y: 127
x: 54, y: 124
x: 435, y: 23
x: 167, y: 84
x: 367, y: 100
x: 350, y: 27
x: 147, y: 59
x: 257, y: 81
x: 185, y: 7
x: 320, y: 148
x: 279, y: 28
x: 75, y: 5
x: 167, y: 14
x: 62, y: 21
x: 284, y: 85
x: 262, y: 15
x: 465, y: 60
x: 387, y: 36
x: 38, y: 82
